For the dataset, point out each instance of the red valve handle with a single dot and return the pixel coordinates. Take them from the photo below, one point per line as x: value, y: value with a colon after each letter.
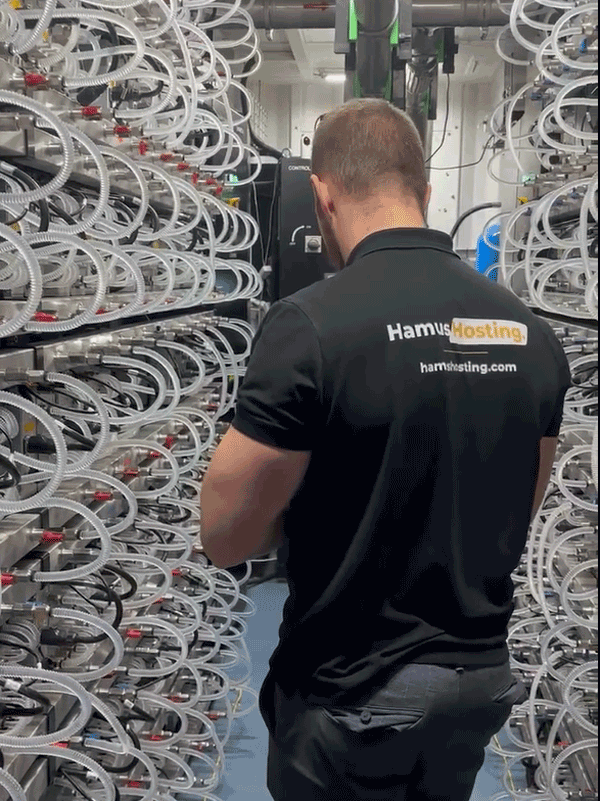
x: 35, y: 79
x: 51, y: 537
x: 44, y: 317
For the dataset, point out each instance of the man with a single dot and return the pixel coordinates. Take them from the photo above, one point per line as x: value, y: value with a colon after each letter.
x: 394, y: 435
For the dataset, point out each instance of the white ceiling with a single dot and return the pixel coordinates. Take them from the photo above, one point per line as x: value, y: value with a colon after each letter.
x: 292, y: 57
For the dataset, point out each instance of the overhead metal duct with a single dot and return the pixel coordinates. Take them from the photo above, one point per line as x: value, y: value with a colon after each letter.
x: 426, y: 13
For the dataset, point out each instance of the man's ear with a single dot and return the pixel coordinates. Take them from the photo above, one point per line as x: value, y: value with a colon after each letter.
x: 322, y: 195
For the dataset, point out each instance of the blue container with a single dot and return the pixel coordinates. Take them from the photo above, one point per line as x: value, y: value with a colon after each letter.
x: 487, y: 256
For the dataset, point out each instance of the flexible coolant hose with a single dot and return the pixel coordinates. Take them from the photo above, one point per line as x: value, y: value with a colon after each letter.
x: 595, y: 457
x: 175, y: 392
x: 140, y: 287
x: 79, y: 758
x: 13, y: 325
x: 102, y: 419
x: 177, y: 763
x: 123, y: 490
x: 173, y: 632
x: 12, y: 787
x: 39, y: 29
x: 146, y: 415
x: 160, y: 567
x: 62, y: 176
x: 100, y: 533
x: 93, y: 17
x: 207, y: 784
x: 196, y: 385
x: 66, y: 240
x: 70, y: 686
x: 165, y: 453
x: 183, y: 550
x: 106, y: 628
x: 42, y: 497
x: 151, y: 774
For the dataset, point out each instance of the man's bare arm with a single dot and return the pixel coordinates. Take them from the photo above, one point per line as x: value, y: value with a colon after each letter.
x: 548, y: 447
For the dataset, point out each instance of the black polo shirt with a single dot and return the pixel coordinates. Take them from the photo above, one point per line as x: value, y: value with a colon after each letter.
x: 422, y: 390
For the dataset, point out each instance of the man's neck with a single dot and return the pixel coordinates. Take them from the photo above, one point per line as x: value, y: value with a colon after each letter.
x: 355, y: 227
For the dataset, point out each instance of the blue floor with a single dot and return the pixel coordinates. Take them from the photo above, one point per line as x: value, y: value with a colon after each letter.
x: 247, y: 750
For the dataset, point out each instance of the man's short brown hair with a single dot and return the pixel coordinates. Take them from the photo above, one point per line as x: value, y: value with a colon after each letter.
x: 366, y: 145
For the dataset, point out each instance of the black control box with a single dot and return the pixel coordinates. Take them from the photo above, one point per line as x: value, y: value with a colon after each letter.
x: 299, y: 253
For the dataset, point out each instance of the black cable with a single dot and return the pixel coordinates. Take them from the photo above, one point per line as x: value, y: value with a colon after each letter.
x: 446, y: 120
x: 23, y: 177
x: 111, y: 595
x: 8, y: 643
x: 469, y: 212
x: 470, y: 164
x: 14, y: 478
x: 118, y: 571
x: 272, y: 212
x: 62, y: 772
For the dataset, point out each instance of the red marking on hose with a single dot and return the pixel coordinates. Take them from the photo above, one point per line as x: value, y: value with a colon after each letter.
x: 154, y: 455
x: 195, y: 178
x: 176, y: 699
x: 169, y: 442
x: 166, y: 156
x: 91, y: 111
x: 176, y: 572
x: 101, y: 311
x: 44, y: 317
x: 156, y: 738
x: 51, y: 537
x: 219, y: 190
x: 211, y: 182
x: 103, y: 495
x: 7, y: 580
x: 143, y: 148
x: 317, y: 6
x: 183, y: 166
x: 215, y: 716
x: 60, y: 745
x: 35, y: 79
x: 133, y: 634
x: 134, y: 784
x: 131, y: 472
x: 562, y: 744
x: 122, y: 130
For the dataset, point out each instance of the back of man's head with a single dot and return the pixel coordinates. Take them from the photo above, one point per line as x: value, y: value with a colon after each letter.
x: 368, y: 148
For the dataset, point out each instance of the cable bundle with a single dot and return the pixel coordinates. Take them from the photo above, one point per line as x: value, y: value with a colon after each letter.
x: 123, y: 664
x: 548, y: 256
x: 138, y: 95
x: 135, y: 624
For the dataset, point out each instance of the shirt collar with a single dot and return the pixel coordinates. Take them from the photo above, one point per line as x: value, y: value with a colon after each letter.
x: 399, y: 238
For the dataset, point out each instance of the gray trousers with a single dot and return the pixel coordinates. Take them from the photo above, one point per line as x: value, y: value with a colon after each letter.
x: 421, y: 737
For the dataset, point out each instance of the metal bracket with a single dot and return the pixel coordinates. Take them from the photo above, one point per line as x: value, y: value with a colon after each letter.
x: 405, y: 29
x: 342, y: 11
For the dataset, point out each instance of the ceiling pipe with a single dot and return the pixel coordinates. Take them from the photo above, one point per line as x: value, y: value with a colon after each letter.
x: 373, y: 53
x: 287, y: 14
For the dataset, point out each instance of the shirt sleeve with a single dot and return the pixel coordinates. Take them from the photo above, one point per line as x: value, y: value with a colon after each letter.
x: 280, y: 400
x: 565, y: 382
